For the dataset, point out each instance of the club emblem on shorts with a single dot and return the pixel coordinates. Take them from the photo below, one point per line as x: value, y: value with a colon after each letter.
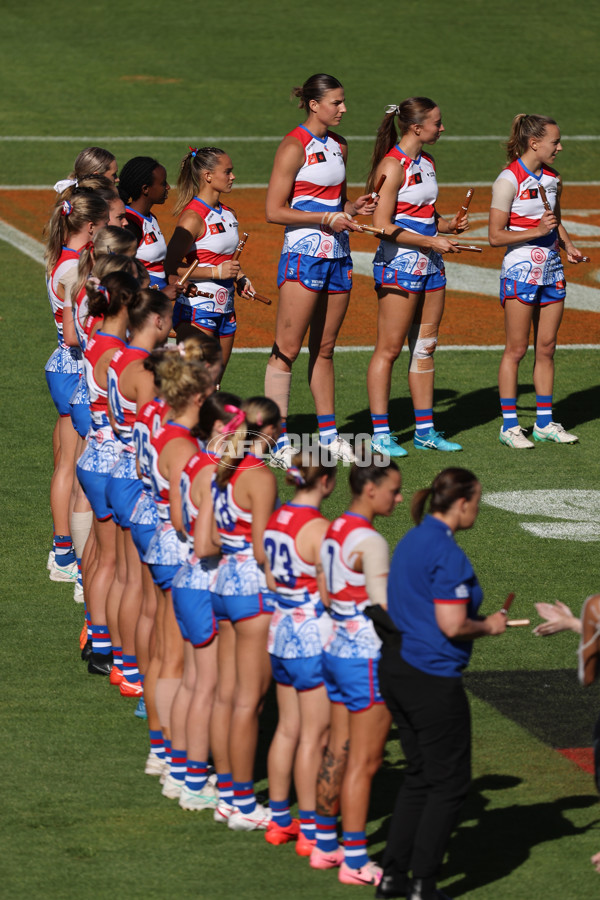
x: 222, y: 296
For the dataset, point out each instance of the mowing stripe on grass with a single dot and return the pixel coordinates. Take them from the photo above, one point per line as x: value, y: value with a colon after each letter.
x: 246, y: 139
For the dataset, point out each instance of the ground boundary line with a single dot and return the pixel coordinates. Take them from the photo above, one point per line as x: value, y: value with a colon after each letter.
x: 450, y: 347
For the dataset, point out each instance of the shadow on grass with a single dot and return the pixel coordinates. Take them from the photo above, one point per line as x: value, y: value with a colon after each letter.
x: 487, y: 844
x: 453, y: 412
x: 490, y: 844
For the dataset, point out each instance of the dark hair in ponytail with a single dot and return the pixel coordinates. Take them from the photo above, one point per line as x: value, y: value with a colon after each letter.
x: 314, y: 88
x: 147, y: 303
x: 116, y: 290
x: 447, y: 487
x: 374, y: 474
x: 214, y: 409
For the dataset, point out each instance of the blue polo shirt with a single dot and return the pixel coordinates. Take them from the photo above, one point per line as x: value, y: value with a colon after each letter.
x: 429, y: 567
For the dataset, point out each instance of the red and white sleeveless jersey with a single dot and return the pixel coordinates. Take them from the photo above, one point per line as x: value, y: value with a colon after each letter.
x: 296, y: 578
x: 217, y: 245
x: 415, y: 211
x: 199, y: 461
x: 152, y: 249
x: 123, y: 410
x: 234, y: 523
x: 537, y: 261
x: 160, y: 485
x: 100, y: 344
x: 67, y: 260
x: 346, y: 587
x: 318, y: 189
x: 148, y: 421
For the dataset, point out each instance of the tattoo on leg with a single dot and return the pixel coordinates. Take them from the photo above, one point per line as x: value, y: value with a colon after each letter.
x: 329, y: 782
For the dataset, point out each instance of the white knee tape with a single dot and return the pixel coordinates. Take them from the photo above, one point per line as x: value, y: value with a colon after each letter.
x: 422, y: 341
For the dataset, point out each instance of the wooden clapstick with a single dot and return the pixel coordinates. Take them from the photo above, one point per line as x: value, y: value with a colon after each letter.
x: 544, y: 198
x: 465, y: 207
x: 507, y: 603
x: 240, y: 246
x: 377, y: 187
x: 370, y: 229
x: 187, y: 274
x: 584, y: 259
x: 469, y: 248
x: 514, y: 623
x: 262, y: 298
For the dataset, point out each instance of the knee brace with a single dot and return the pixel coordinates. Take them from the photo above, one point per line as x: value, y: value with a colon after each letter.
x: 422, y: 341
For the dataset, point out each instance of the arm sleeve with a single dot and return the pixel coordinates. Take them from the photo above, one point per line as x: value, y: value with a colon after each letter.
x: 69, y: 280
x: 503, y: 194
x: 376, y: 566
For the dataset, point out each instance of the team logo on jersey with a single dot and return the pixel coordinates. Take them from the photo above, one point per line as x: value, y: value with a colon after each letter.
x: 217, y: 228
x: 150, y: 238
x: 314, y: 158
x: 529, y: 194
x: 417, y: 178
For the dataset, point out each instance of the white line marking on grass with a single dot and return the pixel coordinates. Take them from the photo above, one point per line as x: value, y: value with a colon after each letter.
x: 353, y: 184
x: 246, y: 139
x: 439, y: 349
x: 476, y: 280
x: 27, y: 245
x: 472, y: 280
x: 579, y: 512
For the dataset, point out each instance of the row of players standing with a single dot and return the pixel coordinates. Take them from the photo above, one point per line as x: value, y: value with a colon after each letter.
x: 315, y: 269
x: 125, y: 308
x: 204, y: 632
x: 202, y: 693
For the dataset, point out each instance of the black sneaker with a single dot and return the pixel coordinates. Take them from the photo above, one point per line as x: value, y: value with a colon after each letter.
x: 100, y: 663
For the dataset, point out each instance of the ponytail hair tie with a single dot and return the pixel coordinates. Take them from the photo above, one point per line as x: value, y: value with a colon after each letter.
x: 95, y: 281
x: 295, y: 473
x: 65, y: 183
x: 193, y: 151
x: 89, y: 246
x: 234, y: 423
x: 67, y: 208
x: 102, y: 290
x: 392, y: 108
x: 181, y: 349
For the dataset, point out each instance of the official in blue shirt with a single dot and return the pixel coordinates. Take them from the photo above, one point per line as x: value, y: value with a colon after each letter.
x: 433, y: 600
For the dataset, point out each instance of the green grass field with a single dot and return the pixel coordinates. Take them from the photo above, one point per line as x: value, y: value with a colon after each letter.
x: 79, y: 817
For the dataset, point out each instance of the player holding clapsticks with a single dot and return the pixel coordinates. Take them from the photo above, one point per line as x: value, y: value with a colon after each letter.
x: 532, y: 281
x: 207, y: 231
x: 315, y: 270
x: 408, y: 268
